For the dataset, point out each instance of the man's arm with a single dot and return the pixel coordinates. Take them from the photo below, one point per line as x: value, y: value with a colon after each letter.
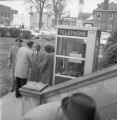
x: 32, y: 61
x: 10, y: 58
x: 43, y: 64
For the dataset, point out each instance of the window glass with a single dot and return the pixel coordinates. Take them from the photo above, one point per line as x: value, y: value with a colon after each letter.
x: 69, y: 67
x: 71, y: 47
x: 98, y: 15
x: 110, y: 15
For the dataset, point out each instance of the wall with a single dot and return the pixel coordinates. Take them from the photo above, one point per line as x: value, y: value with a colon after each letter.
x: 22, y: 19
x: 104, y: 20
x: 100, y: 85
x: 5, y: 15
x: 115, y: 21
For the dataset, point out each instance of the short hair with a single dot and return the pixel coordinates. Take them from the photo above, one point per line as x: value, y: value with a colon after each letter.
x: 49, y: 48
x: 30, y: 44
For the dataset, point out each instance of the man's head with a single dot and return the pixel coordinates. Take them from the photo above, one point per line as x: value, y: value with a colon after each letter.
x: 30, y: 44
x: 37, y: 47
x: 79, y: 107
x: 18, y: 42
x: 49, y: 48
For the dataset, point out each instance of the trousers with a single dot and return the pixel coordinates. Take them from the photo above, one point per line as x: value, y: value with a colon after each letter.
x: 19, y: 83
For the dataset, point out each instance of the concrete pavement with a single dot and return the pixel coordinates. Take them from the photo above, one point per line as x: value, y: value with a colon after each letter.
x: 11, y: 107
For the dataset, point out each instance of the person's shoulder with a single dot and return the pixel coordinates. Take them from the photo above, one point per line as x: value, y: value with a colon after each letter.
x: 46, y: 111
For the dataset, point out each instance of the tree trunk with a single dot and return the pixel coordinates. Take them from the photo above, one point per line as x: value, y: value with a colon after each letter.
x: 40, y: 20
x: 55, y: 20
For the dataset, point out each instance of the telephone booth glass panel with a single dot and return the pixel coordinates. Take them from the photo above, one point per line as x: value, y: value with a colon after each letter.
x: 71, y: 47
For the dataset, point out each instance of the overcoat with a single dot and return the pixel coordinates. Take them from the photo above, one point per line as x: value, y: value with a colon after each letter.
x: 47, y: 69
x: 24, y: 62
x: 39, y: 61
x: 44, y: 112
x: 12, y: 59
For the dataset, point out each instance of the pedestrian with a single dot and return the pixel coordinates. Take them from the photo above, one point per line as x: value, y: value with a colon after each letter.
x: 76, y: 107
x: 47, y: 68
x: 39, y: 61
x: 24, y: 63
x: 12, y: 59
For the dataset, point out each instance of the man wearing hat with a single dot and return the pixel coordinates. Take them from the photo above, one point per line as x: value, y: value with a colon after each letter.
x: 76, y: 107
x: 12, y: 58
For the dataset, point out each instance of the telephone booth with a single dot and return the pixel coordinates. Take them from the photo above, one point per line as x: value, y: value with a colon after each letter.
x: 76, y: 52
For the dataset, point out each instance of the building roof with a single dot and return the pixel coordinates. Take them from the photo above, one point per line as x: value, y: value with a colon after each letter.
x: 111, y: 6
x: 84, y: 16
x: 4, y: 6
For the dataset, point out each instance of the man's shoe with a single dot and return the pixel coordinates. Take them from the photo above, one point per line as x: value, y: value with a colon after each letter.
x: 12, y: 89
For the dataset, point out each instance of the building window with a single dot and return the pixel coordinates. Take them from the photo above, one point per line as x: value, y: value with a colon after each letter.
x: 5, y: 14
x: 9, y: 15
x: 110, y: 15
x: 109, y: 26
x: 97, y: 25
x: 98, y: 15
x: 1, y: 13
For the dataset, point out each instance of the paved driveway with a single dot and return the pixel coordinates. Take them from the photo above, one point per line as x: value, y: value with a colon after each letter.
x: 11, y: 107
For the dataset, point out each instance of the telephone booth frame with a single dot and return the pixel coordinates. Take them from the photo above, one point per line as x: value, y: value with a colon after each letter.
x: 90, y: 35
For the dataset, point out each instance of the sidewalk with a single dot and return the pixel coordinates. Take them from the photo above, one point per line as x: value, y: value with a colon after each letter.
x: 11, y: 107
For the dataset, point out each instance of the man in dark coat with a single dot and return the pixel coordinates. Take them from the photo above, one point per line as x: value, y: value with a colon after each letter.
x: 47, y: 68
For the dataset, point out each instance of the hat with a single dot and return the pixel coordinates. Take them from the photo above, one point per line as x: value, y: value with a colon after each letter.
x: 18, y: 40
x: 79, y: 107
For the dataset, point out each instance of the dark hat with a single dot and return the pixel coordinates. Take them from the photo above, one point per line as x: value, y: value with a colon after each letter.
x: 79, y: 107
x: 18, y: 40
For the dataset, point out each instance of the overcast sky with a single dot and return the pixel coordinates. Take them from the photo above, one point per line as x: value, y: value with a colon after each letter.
x: 89, y: 5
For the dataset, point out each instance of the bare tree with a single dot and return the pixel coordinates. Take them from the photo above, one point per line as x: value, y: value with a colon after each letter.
x: 39, y: 5
x: 57, y: 9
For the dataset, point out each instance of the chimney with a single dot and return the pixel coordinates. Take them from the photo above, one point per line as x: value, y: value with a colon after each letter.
x: 105, y: 5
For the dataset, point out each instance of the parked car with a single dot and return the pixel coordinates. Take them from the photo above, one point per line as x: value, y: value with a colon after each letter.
x: 35, y: 34
x: 25, y: 33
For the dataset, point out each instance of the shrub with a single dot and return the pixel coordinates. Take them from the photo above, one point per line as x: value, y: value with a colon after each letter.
x: 112, y: 39
x: 109, y: 57
x: 3, y: 31
x: 14, y: 32
x: 26, y: 34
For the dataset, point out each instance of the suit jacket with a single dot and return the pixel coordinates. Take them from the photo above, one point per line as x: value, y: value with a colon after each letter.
x: 39, y: 58
x: 24, y: 62
x: 47, y: 69
x: 44, y: 112
x: 35, y: 72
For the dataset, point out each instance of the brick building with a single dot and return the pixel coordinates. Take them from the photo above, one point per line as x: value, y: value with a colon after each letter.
x: 105, y: 16
x: 6, y: 15
x: 46, y: 20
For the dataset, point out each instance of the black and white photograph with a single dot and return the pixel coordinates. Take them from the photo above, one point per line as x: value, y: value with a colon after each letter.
x: 58, y: 59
